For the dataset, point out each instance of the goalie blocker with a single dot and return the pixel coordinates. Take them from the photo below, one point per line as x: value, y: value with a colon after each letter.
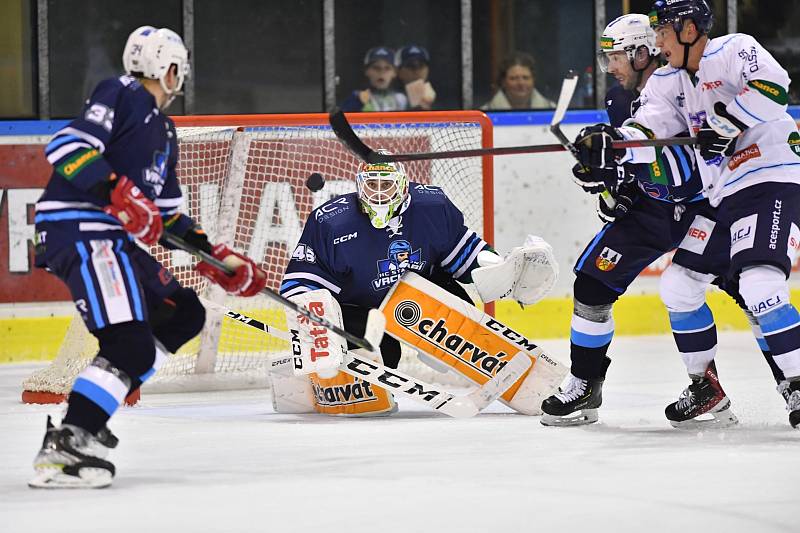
x: 470, y: 342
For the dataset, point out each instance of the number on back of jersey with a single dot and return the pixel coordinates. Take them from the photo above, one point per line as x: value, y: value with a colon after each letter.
x: 303, y: 252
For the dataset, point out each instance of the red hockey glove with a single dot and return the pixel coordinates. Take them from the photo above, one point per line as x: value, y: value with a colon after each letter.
x: 138, y: 214
x: 248, y: 279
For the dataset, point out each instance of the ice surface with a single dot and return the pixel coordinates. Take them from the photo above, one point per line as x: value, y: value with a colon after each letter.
x: 226, y: 462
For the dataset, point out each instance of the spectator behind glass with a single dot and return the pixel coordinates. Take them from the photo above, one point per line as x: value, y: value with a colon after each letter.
x: 379, y: 96
x: 516, y: 86
x: 413, y: 68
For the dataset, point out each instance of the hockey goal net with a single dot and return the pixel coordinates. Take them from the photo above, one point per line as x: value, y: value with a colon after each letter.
x: 243, y: 179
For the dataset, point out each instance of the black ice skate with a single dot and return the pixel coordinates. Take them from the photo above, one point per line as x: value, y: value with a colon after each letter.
x: 790, y: 390
x: 702, y: 404
x: 71, y: 457
x: 574, y: 404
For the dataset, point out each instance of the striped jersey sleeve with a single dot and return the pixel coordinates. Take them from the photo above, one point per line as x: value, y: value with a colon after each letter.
x: 310, y: 266
x: 76, y: 151
x: 464, y: 245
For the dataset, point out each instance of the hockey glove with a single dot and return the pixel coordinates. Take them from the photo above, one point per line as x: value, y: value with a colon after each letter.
x: 717, y: 135
x: 611, y: 207
x: 139, y: 215
x: 248, y: 279
x: 595, y: 150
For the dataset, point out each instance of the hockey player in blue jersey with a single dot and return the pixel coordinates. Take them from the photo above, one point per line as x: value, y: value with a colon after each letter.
x: 356, y: 246
x: 114, y: 180
x: 657, y: 206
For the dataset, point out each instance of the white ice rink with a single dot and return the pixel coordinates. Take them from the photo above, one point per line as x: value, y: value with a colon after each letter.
x: 226, y: 462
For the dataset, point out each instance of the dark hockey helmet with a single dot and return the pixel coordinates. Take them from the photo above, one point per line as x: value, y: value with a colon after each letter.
x: 674, y: 12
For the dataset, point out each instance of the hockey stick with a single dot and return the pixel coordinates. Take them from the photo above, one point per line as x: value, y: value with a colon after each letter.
x: 344, y: 131
x: 564, y: 98
x: 367, y: 344
x: 401, y: 384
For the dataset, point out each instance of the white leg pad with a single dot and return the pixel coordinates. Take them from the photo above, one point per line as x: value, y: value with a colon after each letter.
x: 291, y: 394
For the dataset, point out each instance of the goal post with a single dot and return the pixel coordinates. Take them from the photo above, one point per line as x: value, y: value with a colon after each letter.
x: 243, y: 178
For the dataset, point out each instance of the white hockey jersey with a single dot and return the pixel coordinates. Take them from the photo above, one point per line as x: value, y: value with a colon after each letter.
x: 736, y: 70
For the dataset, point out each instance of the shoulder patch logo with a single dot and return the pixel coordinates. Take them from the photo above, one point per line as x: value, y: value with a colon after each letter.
x: 607, y: 260
x: 794, y: 142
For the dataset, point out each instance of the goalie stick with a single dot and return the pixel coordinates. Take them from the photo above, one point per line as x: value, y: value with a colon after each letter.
x: 344, y: 131
x: 401, y: 384
x: 177, y: 242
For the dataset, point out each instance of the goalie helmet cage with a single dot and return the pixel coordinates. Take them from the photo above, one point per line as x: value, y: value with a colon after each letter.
x: 243, y: 178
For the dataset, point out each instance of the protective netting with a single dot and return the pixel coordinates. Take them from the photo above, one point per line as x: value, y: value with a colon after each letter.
x: 246, y: 187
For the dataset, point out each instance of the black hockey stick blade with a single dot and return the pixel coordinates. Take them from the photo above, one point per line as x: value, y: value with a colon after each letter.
x: 179, y: 243
x: 344, y: 131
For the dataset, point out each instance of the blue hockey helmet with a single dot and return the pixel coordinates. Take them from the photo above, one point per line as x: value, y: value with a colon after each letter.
x: 397, y: 247
x: 674, y: 12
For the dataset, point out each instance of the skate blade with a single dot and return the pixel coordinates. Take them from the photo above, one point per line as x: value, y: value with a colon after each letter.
x: 711, y: 420
x: 578, y: 418
x: 54, y: 478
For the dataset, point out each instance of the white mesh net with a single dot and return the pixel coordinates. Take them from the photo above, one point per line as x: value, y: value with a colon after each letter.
x: 246, y: 187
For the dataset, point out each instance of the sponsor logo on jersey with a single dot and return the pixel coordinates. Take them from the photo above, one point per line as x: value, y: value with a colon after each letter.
x: 608, y: 259
x: 736, y: 160
x: 776, y: 226
x: 711, y: 85
x: 72, y: 166
x: 400, y: 258
x: 331, y: 209
x: 432, y: 189
x: 751, y: 57
x: 743, y: 233
x: 345, y: 238
x: 794, y: 142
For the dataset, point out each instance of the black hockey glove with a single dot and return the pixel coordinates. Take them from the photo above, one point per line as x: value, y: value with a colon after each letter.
x: 717, y: 135
x: 597, y: 160
x: 611, y: 207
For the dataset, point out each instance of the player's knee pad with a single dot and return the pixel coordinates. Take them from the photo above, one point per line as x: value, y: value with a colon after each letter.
x: 178, y: 319
x: 683, y: 290
x: 315, y: 347
x: 592, y: 292
x: 129, y: 347
x: 763, y: 289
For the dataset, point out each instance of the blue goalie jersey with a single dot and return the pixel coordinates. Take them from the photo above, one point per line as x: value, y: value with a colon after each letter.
x: 341, y: 251
x: 673, y: 176
x: 120, y: 130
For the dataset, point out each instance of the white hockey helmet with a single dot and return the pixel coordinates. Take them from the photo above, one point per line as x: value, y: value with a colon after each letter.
x: 631, y: 34
x: 382, y: 190
x: 149, y: 53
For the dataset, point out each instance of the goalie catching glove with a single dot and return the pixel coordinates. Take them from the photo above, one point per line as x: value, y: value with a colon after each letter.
x: 247, y: 280
x: 526, y: 274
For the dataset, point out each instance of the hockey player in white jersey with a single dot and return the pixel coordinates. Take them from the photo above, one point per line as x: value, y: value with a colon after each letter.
x: 732, y: 94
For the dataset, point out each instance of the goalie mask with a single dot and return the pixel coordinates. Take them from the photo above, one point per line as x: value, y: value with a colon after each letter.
x: 382, y: 190
x: 150, y: 52
x: 633, y: 35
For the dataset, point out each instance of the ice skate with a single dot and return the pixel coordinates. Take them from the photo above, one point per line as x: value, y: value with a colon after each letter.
x: 574, y: 404
x: 703, y: 404
x: 790, y: 390
x: 73, y: 458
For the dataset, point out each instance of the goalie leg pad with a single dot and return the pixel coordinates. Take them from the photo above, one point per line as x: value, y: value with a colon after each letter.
x: 345, y: 395
x: 472, y: 343
x: 291, y: 394
x: 316, y: 349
